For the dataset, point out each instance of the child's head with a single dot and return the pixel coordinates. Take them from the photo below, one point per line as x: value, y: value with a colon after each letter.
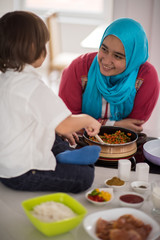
x: 23, y: 38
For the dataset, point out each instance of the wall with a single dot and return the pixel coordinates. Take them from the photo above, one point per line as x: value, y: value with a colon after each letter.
x: 155, y: 33
x: 5, y: 6
x: 147, y: 12
x: 73, y: 33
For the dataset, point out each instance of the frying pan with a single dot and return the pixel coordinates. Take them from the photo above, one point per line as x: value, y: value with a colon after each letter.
x: 114, y: 151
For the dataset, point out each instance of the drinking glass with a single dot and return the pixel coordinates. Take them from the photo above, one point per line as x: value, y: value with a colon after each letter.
x: 142, y: 172
x: 124, y: 169
x: 155, y: 196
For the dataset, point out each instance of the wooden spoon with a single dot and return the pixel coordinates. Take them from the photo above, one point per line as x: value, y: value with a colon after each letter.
x: 99, y: 139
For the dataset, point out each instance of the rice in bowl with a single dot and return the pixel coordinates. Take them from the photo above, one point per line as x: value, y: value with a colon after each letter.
x: 52, y: 211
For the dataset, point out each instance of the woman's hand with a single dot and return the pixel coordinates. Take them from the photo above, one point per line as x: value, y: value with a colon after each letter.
x: 132, y: 124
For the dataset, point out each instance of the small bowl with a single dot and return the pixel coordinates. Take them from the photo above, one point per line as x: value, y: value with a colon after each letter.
x: 151, y: 151
x: 131, y: 199
x: 109, y: 190
x: 140, y: 186
x: 59, y: 227
x: 113, y: 186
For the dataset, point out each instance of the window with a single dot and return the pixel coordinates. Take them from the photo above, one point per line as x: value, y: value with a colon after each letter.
x: 101, y: 9
x: 91, y: 6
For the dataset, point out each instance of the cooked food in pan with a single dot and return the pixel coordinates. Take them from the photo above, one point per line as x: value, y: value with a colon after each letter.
x: 118, y: 137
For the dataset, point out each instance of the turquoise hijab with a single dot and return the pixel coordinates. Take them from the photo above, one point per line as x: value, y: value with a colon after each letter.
x: 119, y: 90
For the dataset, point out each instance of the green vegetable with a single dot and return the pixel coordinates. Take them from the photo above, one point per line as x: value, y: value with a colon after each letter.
x: 94, y: 193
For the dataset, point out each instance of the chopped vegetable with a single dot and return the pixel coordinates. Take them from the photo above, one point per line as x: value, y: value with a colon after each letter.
x: 116, y: 138
x: 99, y: 196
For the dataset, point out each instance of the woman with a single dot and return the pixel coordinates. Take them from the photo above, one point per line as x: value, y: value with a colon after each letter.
x: 116, y: 85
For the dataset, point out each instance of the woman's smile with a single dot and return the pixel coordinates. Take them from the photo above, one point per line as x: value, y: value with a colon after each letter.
x: 111, y: 56
x: 107, y: 68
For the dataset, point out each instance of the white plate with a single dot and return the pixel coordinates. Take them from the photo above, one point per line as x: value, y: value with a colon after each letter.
x: 112, y: 214
x: 110, y: 190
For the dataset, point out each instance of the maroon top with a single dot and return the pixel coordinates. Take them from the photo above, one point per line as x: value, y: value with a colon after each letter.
x: 74, y: 80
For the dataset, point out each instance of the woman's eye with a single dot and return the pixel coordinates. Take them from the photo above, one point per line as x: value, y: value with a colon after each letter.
x: 118, y: 57
x: 104, y: 49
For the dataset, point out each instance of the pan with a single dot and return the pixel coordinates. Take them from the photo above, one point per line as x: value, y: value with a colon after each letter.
x: 114, y: 151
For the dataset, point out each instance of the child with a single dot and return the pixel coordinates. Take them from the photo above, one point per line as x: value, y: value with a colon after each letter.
x: 31, y: 116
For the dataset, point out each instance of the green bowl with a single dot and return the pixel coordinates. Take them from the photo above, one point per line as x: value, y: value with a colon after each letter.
x: 59, y: 227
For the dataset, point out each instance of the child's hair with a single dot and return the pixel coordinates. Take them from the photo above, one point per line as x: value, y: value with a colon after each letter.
x: 23, y: 38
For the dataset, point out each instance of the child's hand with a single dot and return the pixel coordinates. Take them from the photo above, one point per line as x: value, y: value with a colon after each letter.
x: 93, y: 129
x: 71, y: 138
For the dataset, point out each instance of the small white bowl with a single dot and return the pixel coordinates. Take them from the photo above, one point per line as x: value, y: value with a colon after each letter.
x: 113, y: 186
x: 109, y: 190
x: 131, y: 199
x: 140, y: 186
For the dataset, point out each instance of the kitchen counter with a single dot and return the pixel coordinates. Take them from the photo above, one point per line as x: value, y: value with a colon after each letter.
x: 14, y: 225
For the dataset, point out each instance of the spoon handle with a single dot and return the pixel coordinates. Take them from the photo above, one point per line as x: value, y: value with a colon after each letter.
x: 99, y: 139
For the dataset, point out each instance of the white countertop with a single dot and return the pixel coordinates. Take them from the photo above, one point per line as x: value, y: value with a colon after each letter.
x: 14, y: 225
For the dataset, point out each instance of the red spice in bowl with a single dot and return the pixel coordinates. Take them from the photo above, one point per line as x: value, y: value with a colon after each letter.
x: 131, y: 200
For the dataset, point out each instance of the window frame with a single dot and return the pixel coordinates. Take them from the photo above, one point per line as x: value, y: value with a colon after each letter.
x: 107, y: 13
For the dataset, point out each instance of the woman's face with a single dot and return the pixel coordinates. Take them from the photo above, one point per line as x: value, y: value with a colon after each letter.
x: 111, y: 56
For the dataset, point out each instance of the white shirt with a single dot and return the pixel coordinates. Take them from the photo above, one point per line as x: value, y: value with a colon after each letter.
x: 30, y: 112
